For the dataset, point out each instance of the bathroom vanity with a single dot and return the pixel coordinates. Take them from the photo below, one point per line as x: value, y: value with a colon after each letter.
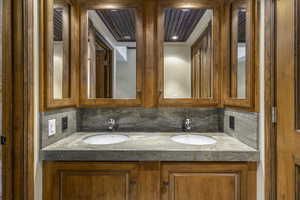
x: 149, y: 100
x: 149, y: 166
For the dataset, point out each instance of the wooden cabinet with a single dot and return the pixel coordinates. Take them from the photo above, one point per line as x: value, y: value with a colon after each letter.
x: 89, y: 181
x: 149, y: 181
x: 194, y: 181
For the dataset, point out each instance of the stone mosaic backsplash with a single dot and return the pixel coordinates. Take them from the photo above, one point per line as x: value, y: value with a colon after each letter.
x: 245, y: 126
x: 151, y: 119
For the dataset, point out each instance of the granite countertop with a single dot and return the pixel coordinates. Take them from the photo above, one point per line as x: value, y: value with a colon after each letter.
x: 149, y: 147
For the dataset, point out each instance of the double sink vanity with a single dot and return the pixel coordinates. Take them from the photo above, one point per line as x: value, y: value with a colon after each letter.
x: 124, y: 165
x: 149, y: 99
x: 150, y: 146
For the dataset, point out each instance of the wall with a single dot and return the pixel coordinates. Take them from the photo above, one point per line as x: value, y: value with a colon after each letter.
x: 57, y: 69
x: 71, y: 113
x: 246, y: 126
x: 151, y: 119
x: 177, y: 71
x: 261, y: 164
x: 241, y: 71
x: 126, y: 76
x: 38, y: 178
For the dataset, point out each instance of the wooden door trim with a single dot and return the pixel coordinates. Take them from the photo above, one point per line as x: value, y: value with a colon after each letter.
x: 214, y: 101
x: 270, y: 91
x: 18, y: 100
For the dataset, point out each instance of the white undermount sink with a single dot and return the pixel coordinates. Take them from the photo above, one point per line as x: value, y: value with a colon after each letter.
x: 193, y: 139
x: 105, y: 139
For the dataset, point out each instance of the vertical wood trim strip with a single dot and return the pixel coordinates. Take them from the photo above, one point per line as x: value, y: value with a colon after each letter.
x: 269, y: 84
x: 7, y: 100
x: 18, y: 100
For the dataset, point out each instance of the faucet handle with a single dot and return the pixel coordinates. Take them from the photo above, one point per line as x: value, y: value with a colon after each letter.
x: 111, y: 121
x: 187, y: 120
x: 111, y: 124
x: 187, y: 124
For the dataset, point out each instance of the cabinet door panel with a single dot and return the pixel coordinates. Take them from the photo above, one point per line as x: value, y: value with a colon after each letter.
x: 94, y: 185
x: 202, y: 181
x: 204, y: 186
x: 89, y: 181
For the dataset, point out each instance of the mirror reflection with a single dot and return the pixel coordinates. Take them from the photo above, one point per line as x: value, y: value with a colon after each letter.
x: 188, y: 53
x: 241, y: 54
x: 239, y: 51
x: 111, y: 65
x: 61, y: 48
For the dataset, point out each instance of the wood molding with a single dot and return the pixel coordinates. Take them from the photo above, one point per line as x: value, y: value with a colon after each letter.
x: 7, y: 173
x: 18, y: 100
x: 252, y: 102
x: 47, y: 101
x: 84, y: 100
x: 189, y: 102
x: 269, y: 85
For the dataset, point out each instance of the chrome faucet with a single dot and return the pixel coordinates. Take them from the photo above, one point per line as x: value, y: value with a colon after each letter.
x: 187, y: 126
x: 111, y: 124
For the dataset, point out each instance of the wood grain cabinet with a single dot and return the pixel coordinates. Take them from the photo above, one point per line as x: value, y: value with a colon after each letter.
x: 89, y: 181
x: 149, y: 181
x: 182, y: 181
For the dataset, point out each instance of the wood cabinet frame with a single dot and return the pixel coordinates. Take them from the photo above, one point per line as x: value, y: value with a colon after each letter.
x: 252, y: 60
x: 190, y: 102
x: 47, y: 100
x: 109, y: 102
x: 152, y: 180
x: 245, y: 174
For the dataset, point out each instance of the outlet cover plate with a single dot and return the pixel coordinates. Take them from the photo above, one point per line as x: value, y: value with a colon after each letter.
x: 51, y: 127
x: 231, y: 122
x: 64, y: 123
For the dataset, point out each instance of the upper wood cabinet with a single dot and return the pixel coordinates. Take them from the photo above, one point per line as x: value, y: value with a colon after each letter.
x: 111, y: 39
x: 59, y: 53
x: 133, y: 53
x: 241, y: 62
x: 188, y: 54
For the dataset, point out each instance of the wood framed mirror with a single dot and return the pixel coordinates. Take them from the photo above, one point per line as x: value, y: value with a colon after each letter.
x: 59, y: 59
x: 241, y: 71
x: 188, y: 54
x: 111, y: 54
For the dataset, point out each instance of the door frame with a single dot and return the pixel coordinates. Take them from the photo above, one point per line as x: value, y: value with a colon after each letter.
x: 270, y: 100
x: 18, y: 100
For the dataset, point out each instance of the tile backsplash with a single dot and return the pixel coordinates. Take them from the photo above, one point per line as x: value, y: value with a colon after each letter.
x: 151, y: 119
x: 245, y: 126
x: 71, y: 113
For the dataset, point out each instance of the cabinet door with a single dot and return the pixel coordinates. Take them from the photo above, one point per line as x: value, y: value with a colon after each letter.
x: 203, y: 181
x: 89, y: 181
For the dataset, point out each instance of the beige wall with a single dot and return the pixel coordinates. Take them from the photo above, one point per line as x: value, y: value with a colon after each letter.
x: 177, y: 71
x: 125, y: 76
x: 37, y: 163
x: 57, y: 70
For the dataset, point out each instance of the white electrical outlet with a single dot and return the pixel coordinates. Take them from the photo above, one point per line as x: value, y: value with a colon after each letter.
x: 51, y: 127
